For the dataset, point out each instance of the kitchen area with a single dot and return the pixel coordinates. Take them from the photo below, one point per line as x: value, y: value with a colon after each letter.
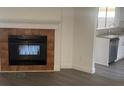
x: 109, y: 46
x: 109, y: 41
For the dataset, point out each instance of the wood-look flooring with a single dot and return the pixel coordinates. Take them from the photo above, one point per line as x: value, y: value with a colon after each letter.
x: 113, y: 75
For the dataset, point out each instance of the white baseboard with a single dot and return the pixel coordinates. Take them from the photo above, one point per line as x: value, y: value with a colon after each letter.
x: 80, y: 68
x: 84, y: 69
x: 93, y: 70
x: 101, y: 62
x: 66, y: 66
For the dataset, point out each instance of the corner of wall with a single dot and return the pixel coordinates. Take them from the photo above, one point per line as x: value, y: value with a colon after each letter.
x: 82, y: 16
x: 67, y: 21
x: 66, y: 66
x: 84, y: 69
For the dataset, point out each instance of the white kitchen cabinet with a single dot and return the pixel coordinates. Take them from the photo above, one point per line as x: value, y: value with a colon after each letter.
x: 101, y: 55
x: 106, y: 49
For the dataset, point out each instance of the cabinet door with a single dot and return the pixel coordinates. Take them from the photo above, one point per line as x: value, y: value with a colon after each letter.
x: 120, y: 52
x: 121, y: 48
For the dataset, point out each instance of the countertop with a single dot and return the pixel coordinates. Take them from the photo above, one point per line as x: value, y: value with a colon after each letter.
x: 108, y: 36
x: 111, y: 36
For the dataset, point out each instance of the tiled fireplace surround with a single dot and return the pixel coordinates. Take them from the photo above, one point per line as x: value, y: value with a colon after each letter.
x: 52, y: 31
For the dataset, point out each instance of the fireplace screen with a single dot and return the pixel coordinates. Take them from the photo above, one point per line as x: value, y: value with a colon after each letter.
x: 27, y: 50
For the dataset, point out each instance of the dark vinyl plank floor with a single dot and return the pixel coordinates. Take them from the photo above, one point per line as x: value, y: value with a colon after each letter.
x: 104, y: 76
x: 115, y: 71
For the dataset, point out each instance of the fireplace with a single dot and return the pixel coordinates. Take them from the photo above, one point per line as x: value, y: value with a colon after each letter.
x: 24, y: 49
x: 27, y: 49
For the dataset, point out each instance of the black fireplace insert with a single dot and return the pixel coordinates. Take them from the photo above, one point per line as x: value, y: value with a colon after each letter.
x: 27, y: 50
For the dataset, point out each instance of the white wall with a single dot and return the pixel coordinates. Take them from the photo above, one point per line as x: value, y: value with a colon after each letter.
x: 67, y: 37
x: 62, y: 16
x: 84, y: 33
x: 31, y: 14
x: 76, y: 26
x: 121, y: 17
x: 117, y: 16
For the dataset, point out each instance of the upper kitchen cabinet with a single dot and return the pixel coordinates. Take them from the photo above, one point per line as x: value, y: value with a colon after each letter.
x: 121, y: 9
x: 121, y: 16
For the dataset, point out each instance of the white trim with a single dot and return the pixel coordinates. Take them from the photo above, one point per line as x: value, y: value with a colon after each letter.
x: 67, y: 66
x: 42, y: 25
x: 102, y: 64
x: 84, y: 69
x: 93, y: 70
x: 101, y: 61
x: 14, y: 24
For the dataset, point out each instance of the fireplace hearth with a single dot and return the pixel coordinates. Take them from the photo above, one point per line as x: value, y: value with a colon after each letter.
x: 27, y: 49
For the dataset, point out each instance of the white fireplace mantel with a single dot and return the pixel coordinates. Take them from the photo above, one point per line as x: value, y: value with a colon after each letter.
x: 41, y: 25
